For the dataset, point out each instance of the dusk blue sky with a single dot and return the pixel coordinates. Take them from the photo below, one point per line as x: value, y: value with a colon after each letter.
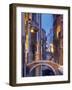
x: 47, y: 25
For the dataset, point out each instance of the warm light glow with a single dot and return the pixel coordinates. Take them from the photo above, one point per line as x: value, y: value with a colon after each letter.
x: 32, y: 31
x: 58, y: 30
x: 26, y: 43
x: 26, y: 17
x: 51, y: 48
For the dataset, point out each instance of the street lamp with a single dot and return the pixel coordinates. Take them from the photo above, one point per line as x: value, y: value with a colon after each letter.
x: 32, y: 31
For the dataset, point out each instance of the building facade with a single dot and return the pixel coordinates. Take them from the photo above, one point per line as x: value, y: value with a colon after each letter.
x: 31, y: 41
x: 58, y: 39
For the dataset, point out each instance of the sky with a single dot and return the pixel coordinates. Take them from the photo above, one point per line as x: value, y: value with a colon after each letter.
x: 47, y: 25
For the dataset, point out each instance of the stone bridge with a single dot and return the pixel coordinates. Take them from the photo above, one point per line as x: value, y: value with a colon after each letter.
x: 50, y: 64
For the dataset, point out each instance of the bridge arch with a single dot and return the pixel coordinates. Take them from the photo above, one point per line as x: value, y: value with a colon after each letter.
x: 42, y: 64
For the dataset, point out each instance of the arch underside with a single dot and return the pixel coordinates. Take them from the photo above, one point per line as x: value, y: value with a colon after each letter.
x: 50, y: 66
